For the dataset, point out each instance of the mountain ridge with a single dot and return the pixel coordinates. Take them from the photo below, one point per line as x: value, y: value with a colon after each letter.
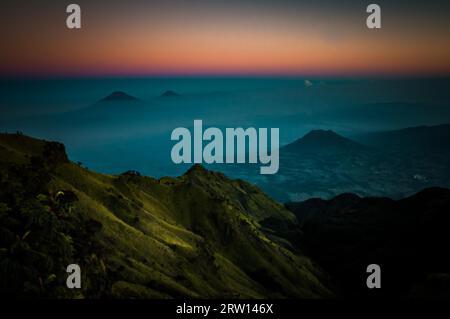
x: 197, y: 235
x: 424, y: 137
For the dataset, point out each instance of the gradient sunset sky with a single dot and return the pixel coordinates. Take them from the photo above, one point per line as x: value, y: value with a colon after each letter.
x: 305, y: 38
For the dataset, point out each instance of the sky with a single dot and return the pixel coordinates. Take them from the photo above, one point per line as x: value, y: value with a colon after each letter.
x: 304, y: 38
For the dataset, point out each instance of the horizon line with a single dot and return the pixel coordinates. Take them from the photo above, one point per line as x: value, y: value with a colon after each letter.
x: 37, y: 76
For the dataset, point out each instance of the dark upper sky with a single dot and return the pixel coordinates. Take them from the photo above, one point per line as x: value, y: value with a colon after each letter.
x: 225, y: 37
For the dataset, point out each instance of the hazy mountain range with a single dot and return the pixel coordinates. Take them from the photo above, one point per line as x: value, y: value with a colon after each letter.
x: 121, y: 132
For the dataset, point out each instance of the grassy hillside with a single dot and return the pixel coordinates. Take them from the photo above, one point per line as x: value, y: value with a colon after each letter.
x: 198, y: 235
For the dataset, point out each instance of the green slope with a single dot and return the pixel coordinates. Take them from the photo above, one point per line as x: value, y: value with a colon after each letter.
x: 198, y: 235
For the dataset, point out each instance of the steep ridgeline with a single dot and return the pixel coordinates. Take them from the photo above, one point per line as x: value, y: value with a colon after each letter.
x: 198, y: 235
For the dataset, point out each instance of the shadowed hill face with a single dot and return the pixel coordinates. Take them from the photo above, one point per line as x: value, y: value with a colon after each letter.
x: 408, y: 238
x: 198, y: 235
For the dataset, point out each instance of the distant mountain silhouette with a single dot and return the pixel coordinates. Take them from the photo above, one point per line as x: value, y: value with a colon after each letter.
x: 118, y: 96
x: 170, y: 93
x: 113, y: 108
x: 322, y: 140
x: 419, y: 138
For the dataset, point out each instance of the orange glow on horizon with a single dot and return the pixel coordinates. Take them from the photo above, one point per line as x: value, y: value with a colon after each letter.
x: 194, y: 46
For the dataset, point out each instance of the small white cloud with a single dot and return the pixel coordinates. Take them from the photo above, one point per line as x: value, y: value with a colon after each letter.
x: 308, y: 83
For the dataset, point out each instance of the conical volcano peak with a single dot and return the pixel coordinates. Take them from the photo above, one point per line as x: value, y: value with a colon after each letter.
x: 119, y: 96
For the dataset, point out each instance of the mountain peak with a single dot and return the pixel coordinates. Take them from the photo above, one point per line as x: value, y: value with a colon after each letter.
x: 322, y: 139
x: 170, y: 93
x: 196, y: 169
x: 118, y: 96
x: 321, y: 134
